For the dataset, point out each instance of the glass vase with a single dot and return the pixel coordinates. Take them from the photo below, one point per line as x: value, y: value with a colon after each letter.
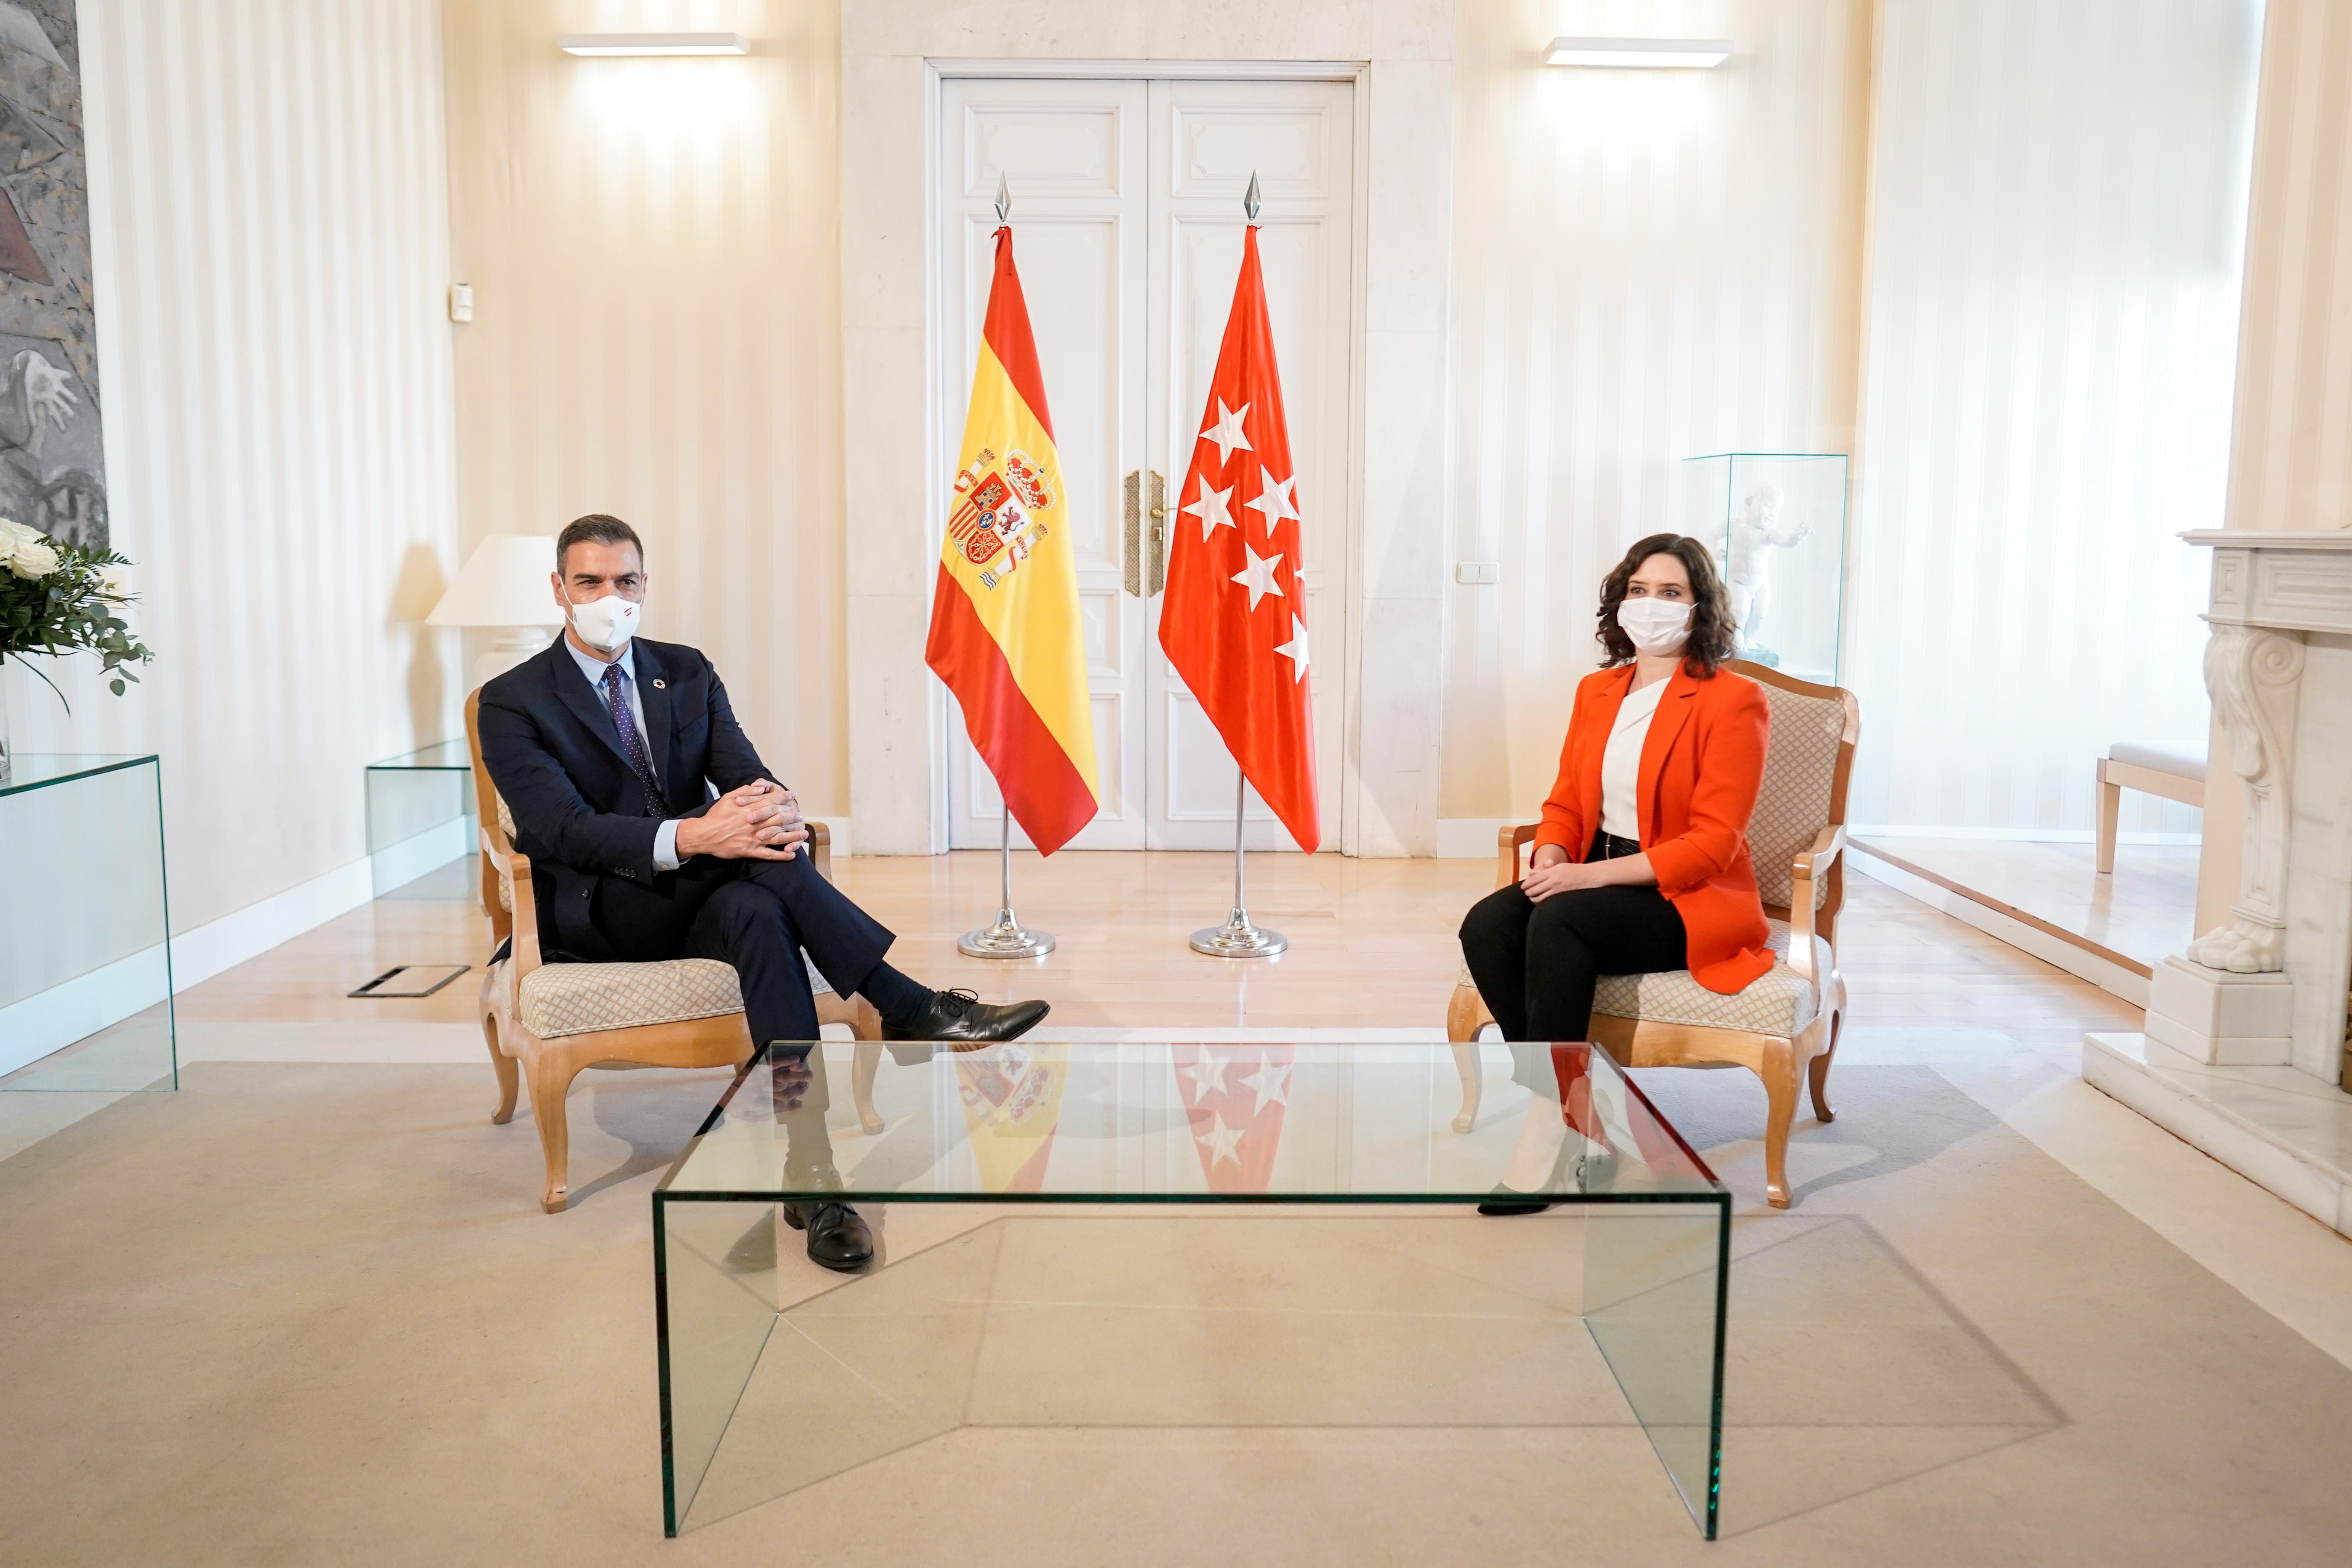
x: 7, y: 747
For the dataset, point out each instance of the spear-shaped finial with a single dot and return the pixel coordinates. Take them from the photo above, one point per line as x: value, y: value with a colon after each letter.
x: 1003, y: 199
x: 1250, y: 202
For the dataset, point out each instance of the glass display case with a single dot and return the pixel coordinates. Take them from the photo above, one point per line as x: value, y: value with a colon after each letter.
x: 420, y: 822
x: 1776, y: 521
x: 85, y: 940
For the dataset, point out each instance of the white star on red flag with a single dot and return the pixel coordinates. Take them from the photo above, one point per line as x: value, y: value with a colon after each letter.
x: 1296, y: 648
x: 1273, y: 499
x: 1212, y: 509
x: 1225, y: 430
x: 1259, y: 576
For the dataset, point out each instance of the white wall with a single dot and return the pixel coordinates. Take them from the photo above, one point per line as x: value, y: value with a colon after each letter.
x: 1648, y: 266
x: 2056, y: 222
x: 268, y: 219
x: 653, y: 248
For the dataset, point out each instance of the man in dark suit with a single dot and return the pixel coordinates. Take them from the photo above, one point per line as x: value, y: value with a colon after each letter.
x: 656, y: 832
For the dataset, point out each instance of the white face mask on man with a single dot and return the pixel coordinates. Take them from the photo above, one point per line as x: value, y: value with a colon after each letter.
x: 1656, y: 625
x: 605, y: 624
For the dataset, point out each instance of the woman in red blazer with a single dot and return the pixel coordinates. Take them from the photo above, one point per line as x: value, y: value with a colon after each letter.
x: 1641, y: 863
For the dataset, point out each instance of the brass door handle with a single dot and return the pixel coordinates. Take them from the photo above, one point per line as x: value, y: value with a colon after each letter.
x: 1131, y: 556
x: 1159, y: 537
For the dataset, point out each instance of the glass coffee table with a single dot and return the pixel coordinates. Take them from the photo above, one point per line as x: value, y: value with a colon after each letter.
x: 1209, y: 1235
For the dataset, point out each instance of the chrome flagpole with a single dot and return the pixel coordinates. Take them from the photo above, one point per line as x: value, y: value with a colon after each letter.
x: 1237, y: 938
x: 1006, y: 937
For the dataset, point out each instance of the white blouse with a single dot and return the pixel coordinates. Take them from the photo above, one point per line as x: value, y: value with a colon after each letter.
x: 1620, y: 764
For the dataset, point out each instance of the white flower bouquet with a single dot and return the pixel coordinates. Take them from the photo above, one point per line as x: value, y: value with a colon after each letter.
x: 59, y: 598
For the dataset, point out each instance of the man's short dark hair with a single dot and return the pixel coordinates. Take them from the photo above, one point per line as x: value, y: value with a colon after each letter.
x: 596, y: 528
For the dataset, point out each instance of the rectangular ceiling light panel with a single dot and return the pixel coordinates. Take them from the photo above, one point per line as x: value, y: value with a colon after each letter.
x: 654, y: 43
x: 1650, y: 53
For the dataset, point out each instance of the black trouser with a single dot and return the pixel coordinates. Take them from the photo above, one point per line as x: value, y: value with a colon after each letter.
x: 1536, y: 965
x: 758, y: 916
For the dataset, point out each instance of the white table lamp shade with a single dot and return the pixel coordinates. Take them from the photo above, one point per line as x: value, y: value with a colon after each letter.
x: 504, y: 583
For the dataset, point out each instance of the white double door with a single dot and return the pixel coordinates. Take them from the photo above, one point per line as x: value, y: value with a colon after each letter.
x: 1127, y: 227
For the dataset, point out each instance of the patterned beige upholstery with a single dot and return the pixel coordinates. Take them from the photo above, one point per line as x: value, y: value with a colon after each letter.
x: 505, y: 818
x: 561, y: 999
x: 1778, y: 1001
x: 1793, y: 807
x: 576, y: 999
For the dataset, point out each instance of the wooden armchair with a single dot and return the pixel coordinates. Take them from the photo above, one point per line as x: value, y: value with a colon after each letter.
x: 1783, y: 1026
x: 556, y: 1019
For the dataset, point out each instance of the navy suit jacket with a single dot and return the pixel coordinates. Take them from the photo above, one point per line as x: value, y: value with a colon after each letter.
x: 579, y: 811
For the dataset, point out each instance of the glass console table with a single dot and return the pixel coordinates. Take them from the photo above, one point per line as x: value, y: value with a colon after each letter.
x: 85, y: 937
x: 420, y: 818
x: 1339, y: 1279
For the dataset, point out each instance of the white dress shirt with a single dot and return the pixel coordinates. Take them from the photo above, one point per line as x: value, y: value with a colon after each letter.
x: 1621, y: 763
x: 666, y: 835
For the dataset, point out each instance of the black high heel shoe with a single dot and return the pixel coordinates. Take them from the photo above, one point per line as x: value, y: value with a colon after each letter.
x: 1596, y: 1167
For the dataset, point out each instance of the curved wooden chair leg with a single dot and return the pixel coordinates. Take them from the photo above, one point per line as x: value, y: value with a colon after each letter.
x: 552, y: 1073
x: 1818, y: 1072
x: 510, y: 1078
x: 865, y: 1062
x: 1779, y: 1076
x: 1465, y: 1016
x: 1466, y: 1063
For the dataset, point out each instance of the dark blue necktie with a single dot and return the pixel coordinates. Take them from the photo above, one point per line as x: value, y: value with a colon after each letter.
x: 633, y: 748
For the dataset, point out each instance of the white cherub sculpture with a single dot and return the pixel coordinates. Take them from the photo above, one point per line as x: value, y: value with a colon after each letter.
x: 1748, y: 569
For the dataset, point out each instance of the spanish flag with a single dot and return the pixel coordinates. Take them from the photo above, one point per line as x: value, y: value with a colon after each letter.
x: 1004, y: 620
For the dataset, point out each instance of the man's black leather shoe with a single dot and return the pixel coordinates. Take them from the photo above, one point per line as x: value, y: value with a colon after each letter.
x: 962, y: 1019
x: 837, y: 1237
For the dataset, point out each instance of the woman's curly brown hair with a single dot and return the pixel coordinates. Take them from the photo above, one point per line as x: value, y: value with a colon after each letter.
x: 1711, y: 630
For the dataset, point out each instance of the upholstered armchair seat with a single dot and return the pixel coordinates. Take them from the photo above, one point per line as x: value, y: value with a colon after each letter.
x: 559, y: 999
x: 1779, y: 1001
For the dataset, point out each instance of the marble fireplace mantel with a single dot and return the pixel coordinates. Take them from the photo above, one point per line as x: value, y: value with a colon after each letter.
x: 2267, y: 994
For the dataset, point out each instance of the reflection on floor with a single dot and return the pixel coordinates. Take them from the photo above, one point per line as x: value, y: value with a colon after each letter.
x: 2130, y: 919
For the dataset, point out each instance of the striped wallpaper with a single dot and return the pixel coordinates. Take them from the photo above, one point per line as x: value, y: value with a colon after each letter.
x: 1648, y: 264
x: 2292, y: 462
x: 654, y: 247
x: 2056, y: 217
x: 268, y: 220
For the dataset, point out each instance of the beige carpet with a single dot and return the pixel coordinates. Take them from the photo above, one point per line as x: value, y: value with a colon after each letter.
x: 310, y: 1314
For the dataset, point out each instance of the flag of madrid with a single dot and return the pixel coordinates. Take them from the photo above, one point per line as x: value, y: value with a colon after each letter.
x: 1233, y: 621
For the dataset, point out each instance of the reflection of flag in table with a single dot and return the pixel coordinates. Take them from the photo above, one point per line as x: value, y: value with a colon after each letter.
x: 1012, y: 1099
x: 1005, y: 635
x: 1234, y: 1097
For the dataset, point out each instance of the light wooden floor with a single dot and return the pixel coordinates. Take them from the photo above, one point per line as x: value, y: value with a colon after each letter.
x: 2140, y: 913
x: 1372, y: 946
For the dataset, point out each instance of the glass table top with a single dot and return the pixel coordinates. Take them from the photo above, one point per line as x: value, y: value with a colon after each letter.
x: 1207, y: 1123
x: 450, y: 755
x: 37, y: 770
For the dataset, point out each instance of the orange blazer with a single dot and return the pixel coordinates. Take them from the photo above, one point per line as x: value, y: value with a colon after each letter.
x: 1702, y: 765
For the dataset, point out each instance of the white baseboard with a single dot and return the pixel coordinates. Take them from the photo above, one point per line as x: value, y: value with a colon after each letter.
x: 1471, y: 837
x: 2010, y: 834
x: 2113, y: 978
x: 197, y: 955
x: 429, y: 850
x: 53, y: 1019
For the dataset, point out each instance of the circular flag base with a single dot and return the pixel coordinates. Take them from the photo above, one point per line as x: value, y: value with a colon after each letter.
x: 1237, y: 938
x: 1006, y: 938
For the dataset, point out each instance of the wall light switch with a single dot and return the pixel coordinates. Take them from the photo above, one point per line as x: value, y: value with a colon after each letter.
x: 1478, y: 572
x: 461, y: 301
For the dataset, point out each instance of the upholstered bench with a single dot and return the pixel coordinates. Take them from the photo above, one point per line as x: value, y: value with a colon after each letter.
x: 2151, y: 771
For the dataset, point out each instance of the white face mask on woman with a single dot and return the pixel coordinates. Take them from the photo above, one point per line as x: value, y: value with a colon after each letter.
x: 1656, y: 625
x: 605, y: 624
